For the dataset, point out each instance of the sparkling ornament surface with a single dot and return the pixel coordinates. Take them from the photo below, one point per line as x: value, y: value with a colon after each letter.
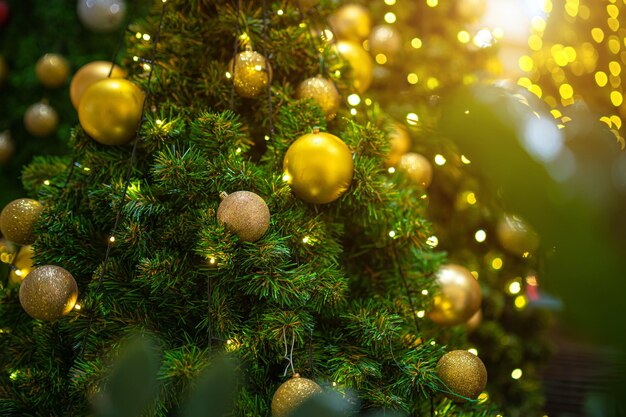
x: 385, y: 39
x: 323, y: 92
x: 41, y: 119
x: 250, y: 73
x: 361, y: 65
x: 49, y: 292
x: 101, y: 16
x: 319, y: 167
x: 463, y: 373
x: 244, y: 213
x: 110, y: 110
x: 24, y: 264
x: 89, y: 74
x: 351, y: 22
x: 293, y: 393
x: 52, y: 70
x: 417, y: 168
x: 400, y: 144
x: 18, y: 218
x: 459, y: 296
x: 7, y: 147
x: 516, y: 236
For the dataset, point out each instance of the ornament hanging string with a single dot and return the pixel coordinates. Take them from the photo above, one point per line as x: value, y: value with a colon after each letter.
x: 289, y: 353
x: 235, y: 51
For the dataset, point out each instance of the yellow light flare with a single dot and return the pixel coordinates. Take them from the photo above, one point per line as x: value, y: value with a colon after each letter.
x: 412, y: 119
x: 535, y: 42
x: 465, y: 160
x: 515, y: 287
x: 571, y: 8
x: 614, y: 45
x: 617, y: 98
x: 390, y: 17
x: 520, y: 302
x: 547, y: 6
x: 354, y: 99
x: 497, y: 264
x: 597, y: 34
x: 526, y: 63
x: 432, y: 83
x: 432, y: 3
x: 524, y: 82
x: 473, y: 351
x: 463, y: 36
x: 613, y: 24
x: 584, y: 12
x: 516, y: 374
x: 412, y: 78
x: 390, y: 2
x: 601, y: 78
x: 416, y: 43
x: 480, y: 236
x: 612, y: 11
x: 617, y: 121
x: 440, y: 160
x: 566, y: 91
x: 432, y: 241
x: 381, y: 59
x: 538, y: 23
x: 615, y: 68
x: 536, y: 90
x: 471, y: 198
x: 570, y: 53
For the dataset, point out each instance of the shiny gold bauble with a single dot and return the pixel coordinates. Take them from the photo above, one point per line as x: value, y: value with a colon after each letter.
x: 400, y: 142
x: 385, y: 39
x: 516, y: 236
x: 41, y: 119
x: 49, y: 292
x: 319, y: 167
x: 23, y: 264
x: 463, y: 373
x: 7, y: 147
x: 458, y: 298
x: 251, y: 73
x: 417, y: 168
x: 110, y: 110
x: 292, y: 394
x: 351, y: 22
x: 323, y: 93
x: 52, y: 70
x: 471, y: 10
x: 18, y: 218
x: 245, y: 214
x: 361, y: 65
x: 89, y: 74
x: 4, y: 70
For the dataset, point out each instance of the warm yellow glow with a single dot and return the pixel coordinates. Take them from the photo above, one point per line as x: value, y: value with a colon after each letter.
x: 601, y: 78
x: 421, y: 314
x: 516, y: 374
x: 412, y: 119
x: 416, y: 43
x: 538, y: 23
x: 473, y: 351
x: 424, y: 292
x: 381, y: 59
x: 391, y: 170
x: 515, y: 287
x: 474, y: 274
x: 535, y: 42
x: 353, y: 111
x: 432, y: 241
x: 524, y: 82
x: 520, y: 302
x: 617, y: 98
x: 392, y: 234
x: 497, y: 263
x: 526, y: 63
x: 305, y: 239
x: 471, y: 198
x: 432, y: 83
x: 612, y: 10
x: 412, y: 78
x: 615, y: 68
x: 354, y: 99
x: 112, y: 239
x: 229, y: 75
x: 480, y: 236
x: 77, y: 307
x: 566, y: 91
x: 597, y: 34
x: 390, y: 2
x: 280, y: 12
x: 138, y: 35
x: 484, y: 38
x: 465, y: 160
x: 432, y: 3
x: 483, y: 397
x: 146, y: 37
x: 390, y: 17
x: 46, y: 182
x: 368, y: 101
x: 463, y: 36
x: 440, y: 160
x: 212, y: 261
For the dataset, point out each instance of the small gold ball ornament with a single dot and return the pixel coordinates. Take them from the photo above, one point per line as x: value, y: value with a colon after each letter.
x: 41, y: 119
x: 463, y: 373
x: 351, y: 22
x: 293, y: 393
x: 245, y: 214
x: 23, y: 263
x: 89, y: 74
x: 417, y: 168
x: 18, y: 218
x: 516, y: 236
x: 361, y: 65
x: 52, y: 70
x: 110, y: 110
x: 385, y: 39
x: 319, y: 167
x: 49, y: 292
x: 7, y: 147
x: 323, y: 93
x: 400, y: 142
x: 250, y: 73
x: 459, y: 296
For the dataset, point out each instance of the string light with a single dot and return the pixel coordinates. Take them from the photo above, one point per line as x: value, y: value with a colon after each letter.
x: 516, y: 374
x: 354, y: 99
x: 473, y: 351
x: 46, y: 182
x: 480, y: 236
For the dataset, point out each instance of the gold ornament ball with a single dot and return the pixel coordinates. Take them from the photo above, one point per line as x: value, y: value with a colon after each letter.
x: 463, y: 373
x: 459, y: 296
x: 110, y: 110
x: 417, y: 168
x: 7, y: 147
x: 323, y: 93
x: 351, y: 22
x: 400, y: 142
x: 41, y: 119
x: 4, y: 70
x: 49, y: 292
x: 52, y: 70
x: 385, y: 39
x: 24, y: 264
x: 361, y: 65
x: 245, y: 214
x: 319, y: 167
x: 251, y: 73
x: 18, y: 218
x: 474, y: 321
x: 89, y: 74
x: 471, y: 10
x: 293, y: 393
x: 516, y: 236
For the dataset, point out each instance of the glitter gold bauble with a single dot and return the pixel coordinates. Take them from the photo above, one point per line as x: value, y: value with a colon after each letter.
x: 110, y: 110
x: 89, y: 74
x: 245, y: 214
x: 292, y: 394
x: 400, y: 144
x: 351, y: 22
x: 18, y: 218
x: 49, y: 292
x: 319, y: 167
x: 458, y: 298
x: 7, y: 147
x: 463, y: 373
x: 323, y: 93
x: 516, y: 236
x: 471, y: 10
x: 41, y: 119
x: 361, y: 65
x: 385, y: 39
x: 52, y: 70
x: 417, y: 168
x: 251, y: 73
x: 23, y: 264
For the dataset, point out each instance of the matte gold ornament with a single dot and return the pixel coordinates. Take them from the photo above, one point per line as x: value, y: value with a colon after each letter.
x: 18, y: 218
x: 7, y: 147
x: 351, y: 22
x: 400, y: 144
x: 52, y: 70
x: 319, y: 167
x: 516, y: 236
x: 463, y: 373
x: 361, y: 65
x: 41, y: 119
x: 89, y: 74
x: 110, y: 110
x: 471, y: 10
x: 49, y: 292
x: 459, y: 296
x: 251, y: 73
x: 293, y: 393
x: 23, y: 265
x: 323, y: 93
x: 417, y: 168
x: 385, y: 39
x: 245, y: 214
